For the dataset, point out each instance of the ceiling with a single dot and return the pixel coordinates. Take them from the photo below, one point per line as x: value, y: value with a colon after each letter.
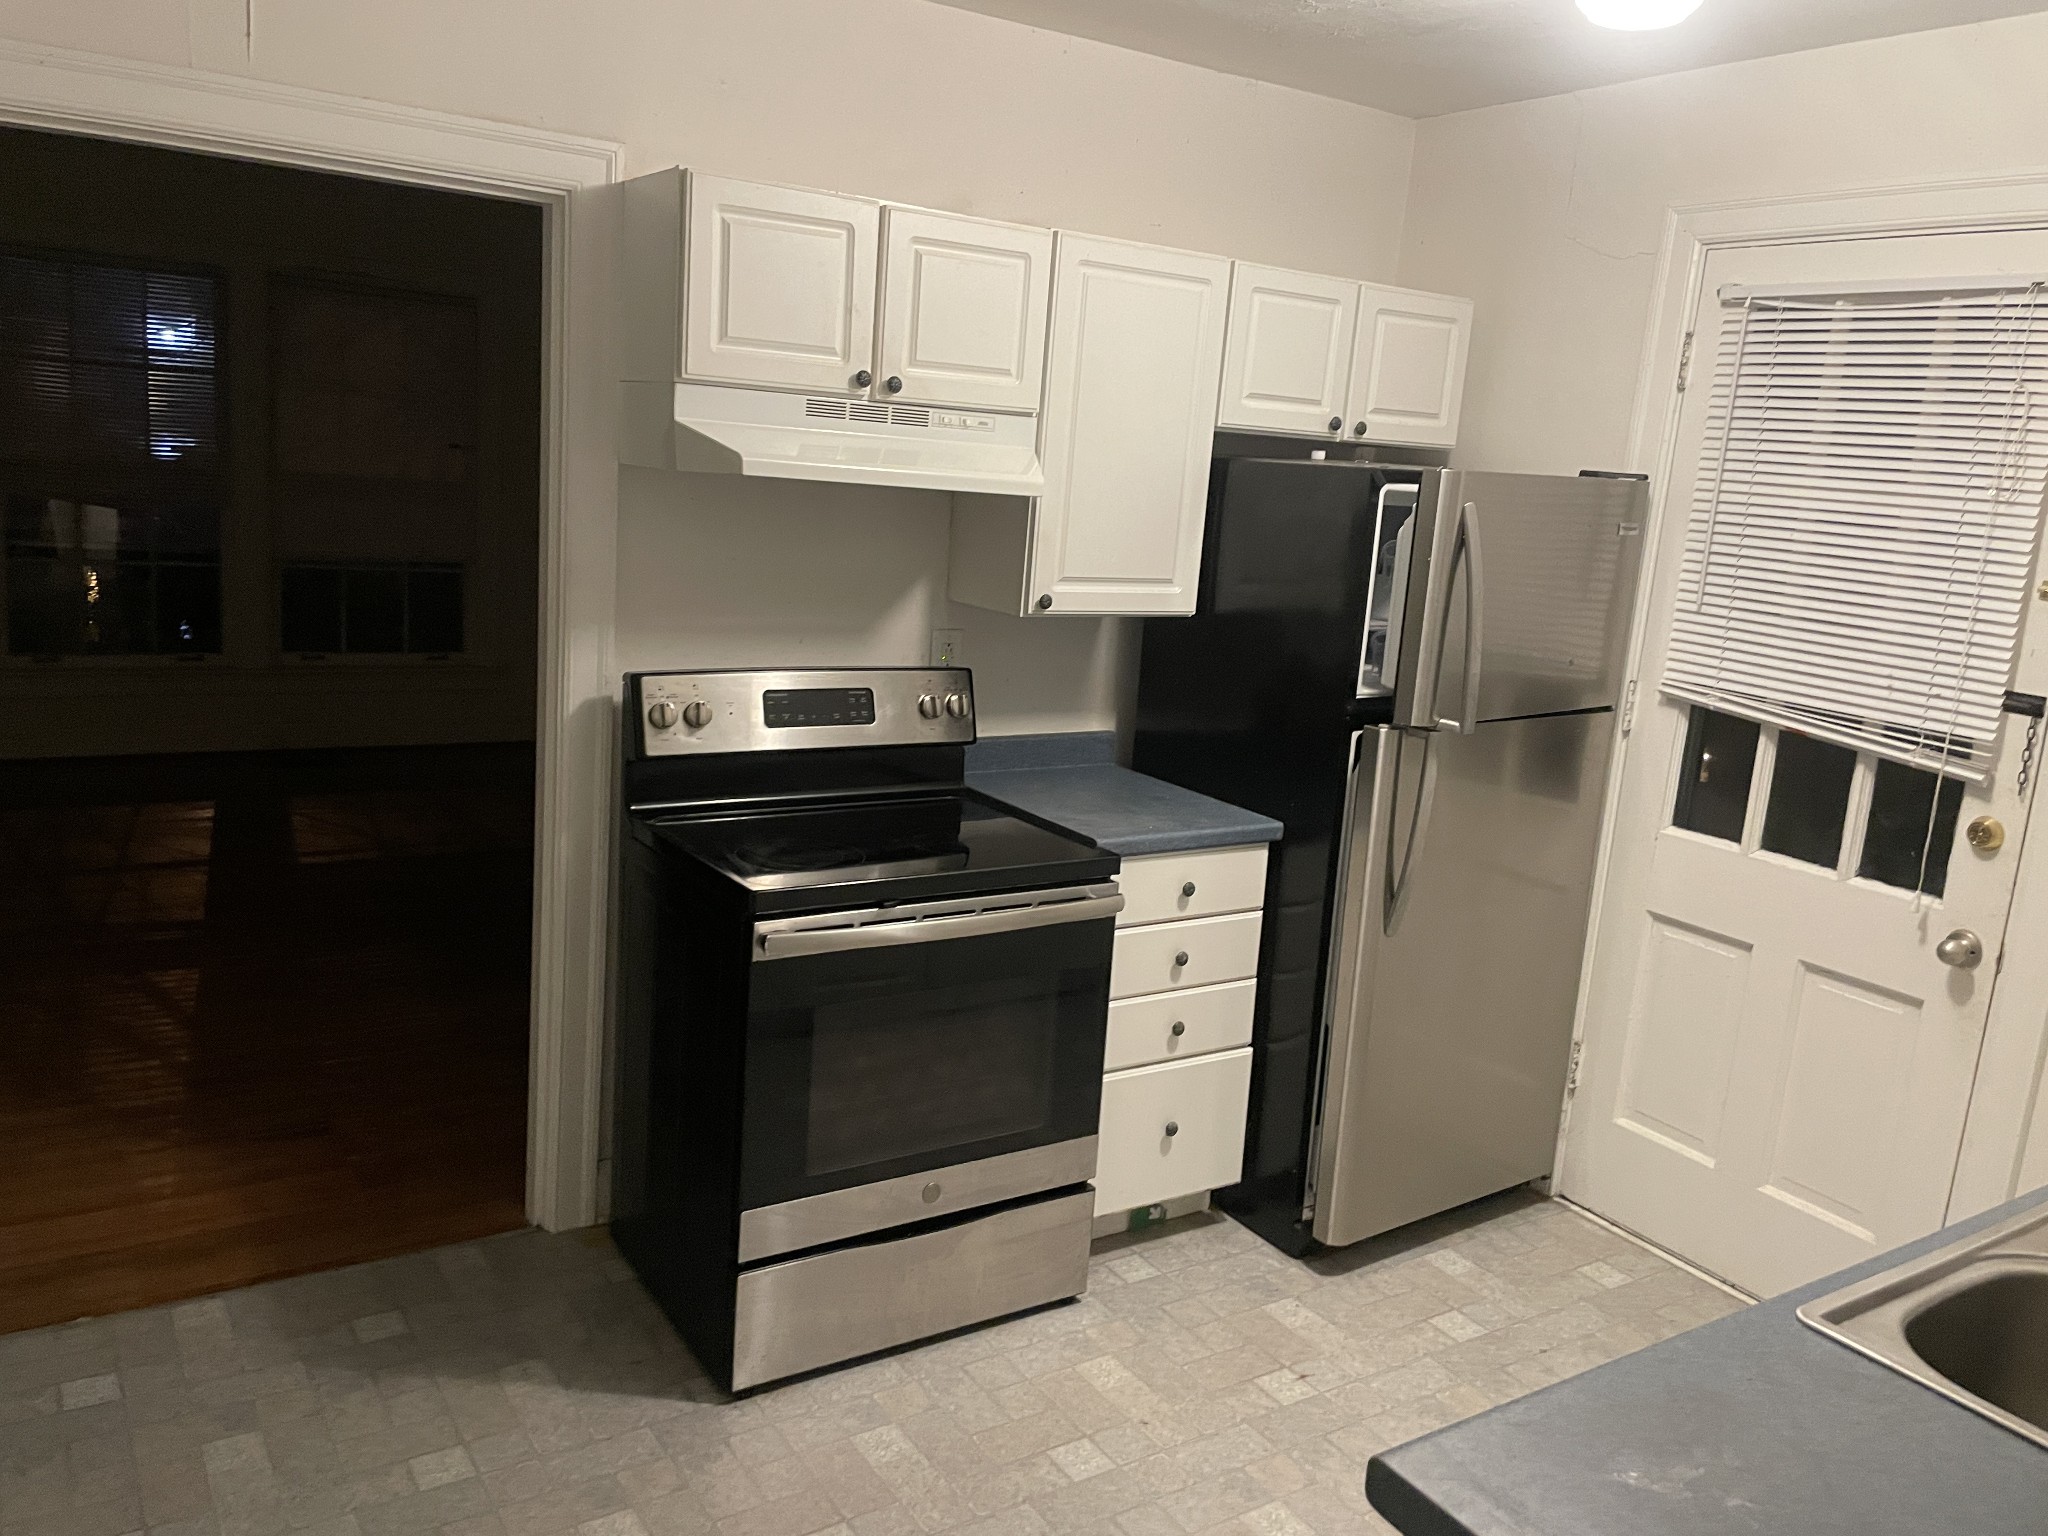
x: 1424, y: 57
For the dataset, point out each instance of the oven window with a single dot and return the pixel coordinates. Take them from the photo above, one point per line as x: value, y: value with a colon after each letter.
x: 873, y: 1063
x: 982, y: 1056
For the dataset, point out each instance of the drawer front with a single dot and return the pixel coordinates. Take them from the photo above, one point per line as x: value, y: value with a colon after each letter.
x: 1174, y: 1026
x: 1197, y: 954
x: 1161, y: 887
x: 845, y: 1302
x: 1139, y: 1163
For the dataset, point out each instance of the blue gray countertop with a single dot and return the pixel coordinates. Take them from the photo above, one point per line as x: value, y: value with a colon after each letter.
x: 1754, y: 1423
x: 1072, y: 778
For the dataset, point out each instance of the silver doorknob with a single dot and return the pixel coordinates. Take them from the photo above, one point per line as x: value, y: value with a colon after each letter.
x: 696, y: 714
x: 928, y: 705
x: 1961, y: 949
x: 661, y: 714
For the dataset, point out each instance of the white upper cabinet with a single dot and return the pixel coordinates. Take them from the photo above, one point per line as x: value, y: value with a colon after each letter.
x: 964, y: 305
x: 780, y: 286
x: 1408, y: 371
x: 1137, y: 340
x: 1289, y: 354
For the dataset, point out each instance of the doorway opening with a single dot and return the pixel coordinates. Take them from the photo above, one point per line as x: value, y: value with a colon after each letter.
x: 270, y: 493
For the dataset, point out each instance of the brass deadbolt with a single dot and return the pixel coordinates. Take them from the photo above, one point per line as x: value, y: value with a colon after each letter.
x: 1986, y: 834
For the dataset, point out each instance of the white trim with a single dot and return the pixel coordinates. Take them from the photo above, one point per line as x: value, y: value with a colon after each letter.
x: 68, y: 92
x: 1996, y: 1125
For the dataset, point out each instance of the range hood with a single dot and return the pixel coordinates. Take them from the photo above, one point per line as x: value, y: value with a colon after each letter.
x: 720, y: 430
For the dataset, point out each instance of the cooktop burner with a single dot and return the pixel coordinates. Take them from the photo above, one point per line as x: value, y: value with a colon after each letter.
x: 859, y: 851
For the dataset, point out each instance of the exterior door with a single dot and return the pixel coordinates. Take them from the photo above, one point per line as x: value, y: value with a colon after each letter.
x: 1777, y: 1065
x: 1137, y: 334
x: 964, y: 305
x: 1408, y: 369
x: 780, y: 289
x: 1289, y: 356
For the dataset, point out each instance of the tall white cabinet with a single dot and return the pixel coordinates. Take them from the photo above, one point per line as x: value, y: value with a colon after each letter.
x: 1125, y: 434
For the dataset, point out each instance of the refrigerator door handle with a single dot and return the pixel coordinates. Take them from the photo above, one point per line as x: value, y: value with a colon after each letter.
x: 1399, y: 874
x: 1466, y: 550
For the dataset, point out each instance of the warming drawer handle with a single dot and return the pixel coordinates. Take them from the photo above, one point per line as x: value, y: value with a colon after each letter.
x: 773, y: 942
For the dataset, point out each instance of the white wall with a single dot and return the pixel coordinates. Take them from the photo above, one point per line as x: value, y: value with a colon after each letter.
x: 1550, y: 213
x: 889, y: 98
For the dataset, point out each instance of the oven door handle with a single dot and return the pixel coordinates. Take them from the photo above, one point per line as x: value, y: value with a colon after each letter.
x: 781, y: 940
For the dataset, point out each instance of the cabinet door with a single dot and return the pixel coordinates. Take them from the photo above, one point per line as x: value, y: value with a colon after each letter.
x: 1408, y: 373
x: 964, y: 305
x: 780, y: 286
x: 1289, y: 356
x: 1130, y: 407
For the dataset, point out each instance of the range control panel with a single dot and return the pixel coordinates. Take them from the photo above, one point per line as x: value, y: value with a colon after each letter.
x: 688, y: 712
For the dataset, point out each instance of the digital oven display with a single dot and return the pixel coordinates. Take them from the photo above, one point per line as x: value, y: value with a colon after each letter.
x: 782, y: 707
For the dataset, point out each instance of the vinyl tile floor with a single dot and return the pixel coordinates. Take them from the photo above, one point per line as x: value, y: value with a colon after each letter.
x: 525, y: 1385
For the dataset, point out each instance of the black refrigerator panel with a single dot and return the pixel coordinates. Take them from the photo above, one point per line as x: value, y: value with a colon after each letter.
x: 1254, y: 700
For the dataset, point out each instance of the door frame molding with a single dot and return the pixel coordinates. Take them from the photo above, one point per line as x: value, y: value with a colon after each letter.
x: 2015, y: 1048
x: 65, y: 91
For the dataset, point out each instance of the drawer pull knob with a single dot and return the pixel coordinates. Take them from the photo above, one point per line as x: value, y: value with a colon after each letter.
x: 1179, y: 1029
x: 1173, y: 1127
x: 1181, y: 958
x: 1188, y: 889
x: 932, y: 1193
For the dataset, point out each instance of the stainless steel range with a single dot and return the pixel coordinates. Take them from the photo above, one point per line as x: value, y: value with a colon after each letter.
x: 860, y: 1024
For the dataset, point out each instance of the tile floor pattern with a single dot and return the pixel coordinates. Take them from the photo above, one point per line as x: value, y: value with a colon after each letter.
x: 526, y: 1386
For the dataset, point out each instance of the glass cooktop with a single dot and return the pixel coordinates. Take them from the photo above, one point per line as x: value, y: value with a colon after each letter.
x: 862, y: 851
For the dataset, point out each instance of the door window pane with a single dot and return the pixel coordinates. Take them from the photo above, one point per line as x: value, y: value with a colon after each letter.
x: 1898, y: 830
x: 1713, y: 788
x: 1809, y: 799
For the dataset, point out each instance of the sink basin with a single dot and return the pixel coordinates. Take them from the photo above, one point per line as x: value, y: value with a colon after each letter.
x: 1969, y: 1320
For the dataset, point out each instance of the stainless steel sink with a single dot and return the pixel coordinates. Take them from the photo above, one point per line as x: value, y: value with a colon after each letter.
x: 1969, y: 1320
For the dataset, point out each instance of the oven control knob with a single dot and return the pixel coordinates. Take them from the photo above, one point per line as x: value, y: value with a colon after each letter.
x: 956, y: 705
x: 661, y: 714
x: 696, y: 714
x: 929, y: 706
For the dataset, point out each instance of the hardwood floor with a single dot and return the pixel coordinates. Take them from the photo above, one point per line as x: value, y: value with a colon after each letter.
x: 259, y: 1014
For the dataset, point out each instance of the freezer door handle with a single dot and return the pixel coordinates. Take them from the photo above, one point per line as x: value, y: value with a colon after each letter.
x: 1402, y: 851
x: 1466, y: 550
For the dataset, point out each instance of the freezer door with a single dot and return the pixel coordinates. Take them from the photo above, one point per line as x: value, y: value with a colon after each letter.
x: 1458, y: 940
x: 1520, y: 599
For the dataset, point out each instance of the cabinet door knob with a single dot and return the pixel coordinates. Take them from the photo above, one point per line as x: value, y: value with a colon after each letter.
x: 893, y: 384
x: 1178, y: 1029
x: 1336, y: 423
x: 1173, y: 1127
x: 1044, y: 602
x: 863, y: 379
x: 1358, y: 429
x: 1181, y: 958
x: 1188, y: 889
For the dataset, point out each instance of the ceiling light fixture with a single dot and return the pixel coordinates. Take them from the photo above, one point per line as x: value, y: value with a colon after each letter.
x: 1637, y: 15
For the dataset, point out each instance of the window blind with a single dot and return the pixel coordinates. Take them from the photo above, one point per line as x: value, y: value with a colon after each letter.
x: 1864, y: 518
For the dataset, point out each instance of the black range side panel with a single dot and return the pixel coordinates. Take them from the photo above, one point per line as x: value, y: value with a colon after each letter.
x: 1253, y: 700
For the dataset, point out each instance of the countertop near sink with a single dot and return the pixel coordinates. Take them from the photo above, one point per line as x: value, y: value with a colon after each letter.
x: 1753, y: 1423
x: 1072, y: 778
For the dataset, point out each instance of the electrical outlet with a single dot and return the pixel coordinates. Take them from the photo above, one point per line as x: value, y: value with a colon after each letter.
x: 946, y: 648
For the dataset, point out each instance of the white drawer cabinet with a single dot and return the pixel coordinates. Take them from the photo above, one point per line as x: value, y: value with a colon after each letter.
x: 1162, y: 887
x: 1178, y: 1026
x: 1163, y: 956
x: 1171, y: 1130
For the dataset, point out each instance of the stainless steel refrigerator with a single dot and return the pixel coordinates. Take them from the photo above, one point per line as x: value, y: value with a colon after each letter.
x: 1417, y: 672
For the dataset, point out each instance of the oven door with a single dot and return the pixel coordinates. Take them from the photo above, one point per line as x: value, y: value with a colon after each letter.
x: 905, y: 1063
